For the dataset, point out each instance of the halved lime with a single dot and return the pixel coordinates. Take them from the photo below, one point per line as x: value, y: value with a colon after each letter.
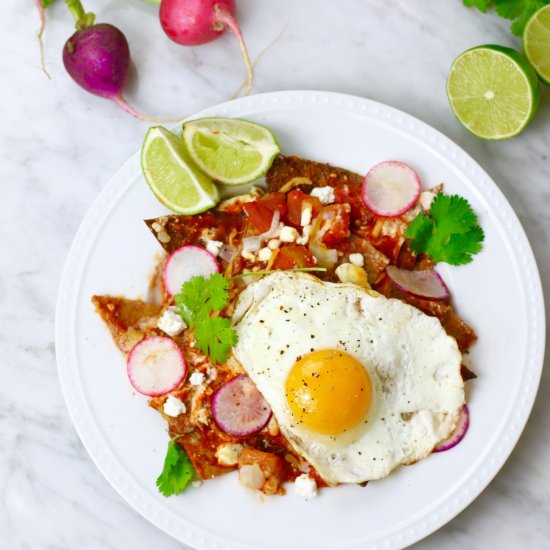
x: 230, y: 150
x: 493, y: 91
x: 172, y: 176
x: 536, y: 42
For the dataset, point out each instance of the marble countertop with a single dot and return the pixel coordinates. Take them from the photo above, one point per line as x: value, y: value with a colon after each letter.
x: 60, y: 146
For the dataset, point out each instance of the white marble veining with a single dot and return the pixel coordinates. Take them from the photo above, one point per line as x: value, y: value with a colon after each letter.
x: 59, y: 146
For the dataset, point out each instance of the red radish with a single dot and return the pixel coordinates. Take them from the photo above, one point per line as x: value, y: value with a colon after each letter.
x: 458, y: 435
x: 238, y: 408
x: 156, y: 366
x: 425, y: 283
x: 97, y: 57
x: 195, y: 22
x: 187, y: 262
x: 390, y: 188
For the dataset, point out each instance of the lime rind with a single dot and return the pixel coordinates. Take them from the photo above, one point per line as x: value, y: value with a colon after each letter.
x: 493, y: 91
x: 172, y: 176
x: 536, y: 42
x: 231, y: 151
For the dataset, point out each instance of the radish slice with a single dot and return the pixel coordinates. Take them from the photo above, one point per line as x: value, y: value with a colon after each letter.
x: 156, y: 366
x: 426, y: 283
x: 390, y: 188
x: 187, y: 262
x: 458, y: 435
x: 239, y: 408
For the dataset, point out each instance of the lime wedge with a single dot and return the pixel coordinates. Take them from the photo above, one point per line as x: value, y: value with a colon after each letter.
x: 230, y: 150
x: 536, y: 42
x: 172, y: 176
x: 493, y: 91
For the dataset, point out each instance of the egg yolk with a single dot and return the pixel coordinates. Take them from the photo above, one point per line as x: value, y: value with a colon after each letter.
x: 328, y: 391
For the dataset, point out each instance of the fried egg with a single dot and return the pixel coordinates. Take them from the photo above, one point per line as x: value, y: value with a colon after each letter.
x: 358, y: 383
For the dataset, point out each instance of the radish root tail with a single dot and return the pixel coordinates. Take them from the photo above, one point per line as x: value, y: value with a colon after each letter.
x: 40, y: 34
x: 123, y: 104
x: 257, y: 60
x: 230, y: 23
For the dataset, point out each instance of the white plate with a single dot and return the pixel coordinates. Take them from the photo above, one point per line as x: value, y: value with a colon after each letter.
x: 499, y: 294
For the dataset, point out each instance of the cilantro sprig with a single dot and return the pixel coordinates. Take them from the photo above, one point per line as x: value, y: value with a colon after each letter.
x: 177, y: 472
x: 518, y: 11
x: 199, y: 303
x: 449, y: 233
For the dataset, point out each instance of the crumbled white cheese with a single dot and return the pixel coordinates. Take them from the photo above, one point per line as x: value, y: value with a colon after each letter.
x: 212, y: 373
x: 349, y: 273
x: 228, y: 454
x: 247, y: 255
x: 305, y: 486
x: 171, y: 323
x: 264, y: 254
x: 273, y: 244
x: 197, y: 378
x: 324, y: 194
x: 213, y: 247
x: 306, y: 215
x: 201, y: 416
x: 357, y: 259
x: 288, y: 234
x: 174, y: 406
x: 305, y: 235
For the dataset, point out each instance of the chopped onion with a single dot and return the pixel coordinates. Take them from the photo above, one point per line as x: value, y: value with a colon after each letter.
x: 226, y: 253
x: 253, y: 244
x: 251, y: 476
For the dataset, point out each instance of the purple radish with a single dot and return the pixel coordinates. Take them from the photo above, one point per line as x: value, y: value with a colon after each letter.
x: 97, y: 58
x: 424, y: 283
x: 187, y: 262
x: 156, y: 366
x: 390, y: 188
x: 238, y: 408
x: 459, y: 432
x: 195, y: 22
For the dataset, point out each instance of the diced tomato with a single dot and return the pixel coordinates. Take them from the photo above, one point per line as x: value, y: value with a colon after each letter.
x: 261, y: 211
x: 351, y: 194
x: 295, y: 202
x: 335, y: 225
x: 293, y: 255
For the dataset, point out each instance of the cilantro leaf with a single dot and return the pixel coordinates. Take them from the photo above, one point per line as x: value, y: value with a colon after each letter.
x: 215, y: 337
x: 199, y: 296
x: 519, y: 11
x: 177, y: 471
x: 481, y: 5
x: 47, y: 3
x: 198, y: 299
x: 450, y: 233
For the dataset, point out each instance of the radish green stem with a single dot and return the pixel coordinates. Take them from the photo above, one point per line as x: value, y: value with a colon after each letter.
x: 82, y: 18
x: 123, y: 104
x: 269, y: 271
x: 40, y: 34
x: 229, y: 21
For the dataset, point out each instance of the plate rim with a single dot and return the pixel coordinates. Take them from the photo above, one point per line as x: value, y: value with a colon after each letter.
x: 413, y: 127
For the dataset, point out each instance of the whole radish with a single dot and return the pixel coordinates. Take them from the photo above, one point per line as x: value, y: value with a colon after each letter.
x: 194, y: 22
x: 97, y: 57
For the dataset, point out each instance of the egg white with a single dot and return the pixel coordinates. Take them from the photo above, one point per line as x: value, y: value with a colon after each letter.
x: 414, y: 367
